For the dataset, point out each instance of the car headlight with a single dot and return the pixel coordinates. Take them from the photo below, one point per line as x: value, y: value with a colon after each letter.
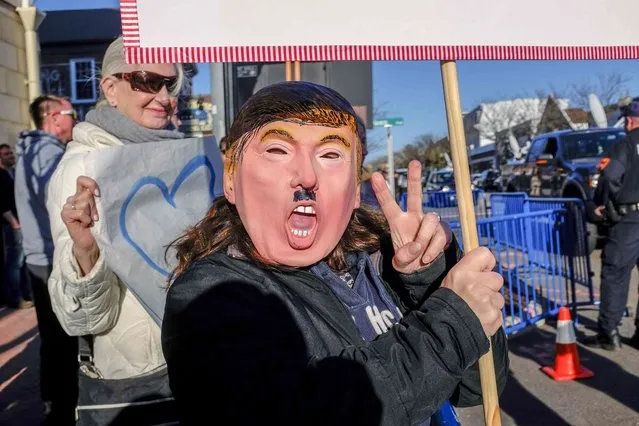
x: 594, y: 180
x: 446, y: 188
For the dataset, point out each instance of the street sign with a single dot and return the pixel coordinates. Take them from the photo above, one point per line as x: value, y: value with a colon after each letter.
x: 383, y: 122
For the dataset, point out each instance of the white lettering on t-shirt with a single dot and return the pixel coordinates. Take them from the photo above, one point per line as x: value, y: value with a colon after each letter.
x: 381, y: 321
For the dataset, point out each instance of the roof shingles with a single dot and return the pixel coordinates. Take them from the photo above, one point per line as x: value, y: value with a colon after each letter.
x: 80, y: 26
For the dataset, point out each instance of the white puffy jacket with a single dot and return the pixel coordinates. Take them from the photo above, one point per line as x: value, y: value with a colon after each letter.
x: 127, y: 340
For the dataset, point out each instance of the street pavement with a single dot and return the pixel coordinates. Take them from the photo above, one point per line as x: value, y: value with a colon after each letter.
x: 530, y: 398
x: 19, y: 373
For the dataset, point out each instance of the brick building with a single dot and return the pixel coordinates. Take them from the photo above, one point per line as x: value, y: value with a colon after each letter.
x: 14, y: 98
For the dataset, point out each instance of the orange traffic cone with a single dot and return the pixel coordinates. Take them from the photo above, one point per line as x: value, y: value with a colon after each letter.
x: 567, y: 365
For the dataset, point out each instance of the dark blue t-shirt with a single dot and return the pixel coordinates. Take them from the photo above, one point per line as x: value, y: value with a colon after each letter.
x: 361, y: 290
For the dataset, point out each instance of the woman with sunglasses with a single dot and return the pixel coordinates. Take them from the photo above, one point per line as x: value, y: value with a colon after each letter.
x: 138, y: 102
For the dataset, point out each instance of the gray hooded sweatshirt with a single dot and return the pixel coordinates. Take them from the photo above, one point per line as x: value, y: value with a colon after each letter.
x: 38, y: 155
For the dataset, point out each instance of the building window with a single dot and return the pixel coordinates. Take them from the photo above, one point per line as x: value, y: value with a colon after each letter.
x: 83, y: 81
x: 55, y: 79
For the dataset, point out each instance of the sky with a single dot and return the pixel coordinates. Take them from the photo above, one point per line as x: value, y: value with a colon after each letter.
x: 413, y: 90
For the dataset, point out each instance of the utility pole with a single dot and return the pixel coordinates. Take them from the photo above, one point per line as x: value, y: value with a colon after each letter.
x: 218, y: 99
x: 390, y: 149
x: 391, y: 161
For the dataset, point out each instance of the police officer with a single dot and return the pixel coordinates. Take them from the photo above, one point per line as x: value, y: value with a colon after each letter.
x: 617, y: 196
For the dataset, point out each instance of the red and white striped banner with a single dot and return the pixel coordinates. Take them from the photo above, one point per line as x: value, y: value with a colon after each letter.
x: 130, y: 23
x: 163, y: 48
x: 145, y: 55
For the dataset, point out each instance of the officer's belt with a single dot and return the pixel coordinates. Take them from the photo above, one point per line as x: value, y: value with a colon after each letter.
x: 625, y: 208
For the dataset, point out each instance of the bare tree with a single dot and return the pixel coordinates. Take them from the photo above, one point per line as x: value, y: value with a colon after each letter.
x: 380, y: 110
x: 408, y: 153
x: 422, y: 149
x: 426, y: 139
x: 434, y: 155
x: 552, y: 91
x: 375, y: 144
x: 502, y: 115
x: 378, y: 162
x: 608, y: 87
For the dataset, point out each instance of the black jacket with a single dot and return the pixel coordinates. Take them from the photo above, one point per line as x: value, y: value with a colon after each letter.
x: 7, y: 195
x: 246, y: 344
x: 619, y: 180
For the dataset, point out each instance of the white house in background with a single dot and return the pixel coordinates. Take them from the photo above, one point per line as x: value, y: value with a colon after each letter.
x: 485, y: 123
x: 557, y: 116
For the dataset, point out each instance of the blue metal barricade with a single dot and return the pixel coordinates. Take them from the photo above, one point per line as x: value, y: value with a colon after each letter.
x: 538, y: 278
x: 445, y: 204
x: 540, y: 245
x: 574, y: 239
x: 444, y: 199
x: 505, y: 203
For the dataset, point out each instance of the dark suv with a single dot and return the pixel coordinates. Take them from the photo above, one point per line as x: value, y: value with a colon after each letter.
x: 564, y: 164
x: 488, y: 181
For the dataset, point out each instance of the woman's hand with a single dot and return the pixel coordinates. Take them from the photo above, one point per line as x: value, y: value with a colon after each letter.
x: 79, y: 214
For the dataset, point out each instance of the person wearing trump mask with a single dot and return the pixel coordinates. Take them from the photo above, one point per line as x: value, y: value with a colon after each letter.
x: 296, y: 304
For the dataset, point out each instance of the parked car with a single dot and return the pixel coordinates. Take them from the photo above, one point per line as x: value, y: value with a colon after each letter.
x: 564, y: 164
x: 441, y: 180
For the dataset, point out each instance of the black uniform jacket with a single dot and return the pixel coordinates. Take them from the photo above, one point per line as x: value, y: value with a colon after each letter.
x: 619, y: 180
x: 249, y: 344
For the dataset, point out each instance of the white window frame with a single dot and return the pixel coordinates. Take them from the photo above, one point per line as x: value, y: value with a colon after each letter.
x: 74, y: 80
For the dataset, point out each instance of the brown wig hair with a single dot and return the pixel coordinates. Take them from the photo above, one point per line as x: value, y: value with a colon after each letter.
x: 300, y: 101
x: 223, y: 144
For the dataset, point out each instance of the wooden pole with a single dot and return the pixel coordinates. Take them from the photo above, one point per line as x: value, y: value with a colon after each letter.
x: 298, y: 71
x: 288, y: 71
x: 468, y: 222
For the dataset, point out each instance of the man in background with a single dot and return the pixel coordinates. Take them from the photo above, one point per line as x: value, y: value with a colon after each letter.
x: 617, y: 196
x: 39, y: 152
x: 15, y: 277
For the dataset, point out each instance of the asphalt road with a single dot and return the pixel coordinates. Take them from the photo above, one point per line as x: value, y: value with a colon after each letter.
x: 19, y: 371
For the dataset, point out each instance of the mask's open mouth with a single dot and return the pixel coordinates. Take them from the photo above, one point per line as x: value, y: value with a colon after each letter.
x: 302, y: 221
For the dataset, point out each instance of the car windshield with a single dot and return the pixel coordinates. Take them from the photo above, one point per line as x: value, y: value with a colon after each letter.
x: 589, y: 145
x: 441, y: 177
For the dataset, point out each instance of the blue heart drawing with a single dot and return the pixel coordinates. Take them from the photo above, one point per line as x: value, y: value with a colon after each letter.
x: 197, y: 162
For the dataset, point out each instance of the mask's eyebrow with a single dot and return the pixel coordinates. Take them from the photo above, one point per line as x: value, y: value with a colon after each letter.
x: 331, y: 138
x: 278, y: 132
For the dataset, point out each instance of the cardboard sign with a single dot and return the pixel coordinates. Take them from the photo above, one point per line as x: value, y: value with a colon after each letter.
x: 310, y: 30
x: 150, y: 194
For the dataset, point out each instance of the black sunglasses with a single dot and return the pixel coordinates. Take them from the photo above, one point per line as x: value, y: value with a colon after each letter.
x: 148, y: 82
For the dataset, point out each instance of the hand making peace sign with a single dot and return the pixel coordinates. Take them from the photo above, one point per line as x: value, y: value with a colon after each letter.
x: 418, y: 238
